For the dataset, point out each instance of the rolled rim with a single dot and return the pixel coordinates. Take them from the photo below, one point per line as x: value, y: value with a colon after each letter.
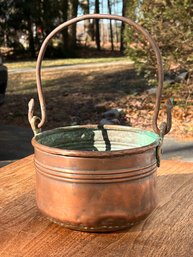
x: 95, y: 154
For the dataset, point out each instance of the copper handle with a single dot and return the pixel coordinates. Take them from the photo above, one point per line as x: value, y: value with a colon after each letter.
x: 38, y: 123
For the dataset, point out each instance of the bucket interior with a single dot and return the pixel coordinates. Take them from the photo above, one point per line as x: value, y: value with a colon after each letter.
x: 94, y: 138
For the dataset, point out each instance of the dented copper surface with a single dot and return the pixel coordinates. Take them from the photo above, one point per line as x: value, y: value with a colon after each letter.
x: 101, y: 186
x: 94, y: 177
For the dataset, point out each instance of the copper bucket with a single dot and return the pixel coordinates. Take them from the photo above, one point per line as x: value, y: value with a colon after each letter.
x: 97, y: 178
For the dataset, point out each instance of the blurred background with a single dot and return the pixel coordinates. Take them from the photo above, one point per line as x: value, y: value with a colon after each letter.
x: 95, y: 65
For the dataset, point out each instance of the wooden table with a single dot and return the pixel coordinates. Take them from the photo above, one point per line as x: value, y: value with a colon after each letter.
x: 168, y: 231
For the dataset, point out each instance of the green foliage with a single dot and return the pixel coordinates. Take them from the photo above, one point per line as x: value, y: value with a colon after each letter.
x: 170, y: 22
x: 34, y: 19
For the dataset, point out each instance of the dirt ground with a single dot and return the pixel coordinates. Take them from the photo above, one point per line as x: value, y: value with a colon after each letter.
x: 80, y: 96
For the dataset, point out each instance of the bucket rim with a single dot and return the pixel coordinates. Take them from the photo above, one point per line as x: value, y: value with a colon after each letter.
x: 95, y: 154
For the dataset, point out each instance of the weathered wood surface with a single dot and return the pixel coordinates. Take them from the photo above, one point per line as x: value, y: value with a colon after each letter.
x: 168, y: 231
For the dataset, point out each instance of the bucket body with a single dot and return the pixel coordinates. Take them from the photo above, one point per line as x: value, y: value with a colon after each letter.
x: 93, y: 178
x: 96, y: 179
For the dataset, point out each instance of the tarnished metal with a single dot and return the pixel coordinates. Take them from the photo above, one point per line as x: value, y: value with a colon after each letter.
x: 164, y: 129
x: 33, y: 120
x: 94, y: 177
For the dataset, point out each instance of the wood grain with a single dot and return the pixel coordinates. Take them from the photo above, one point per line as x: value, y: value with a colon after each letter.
x: 168, y: 231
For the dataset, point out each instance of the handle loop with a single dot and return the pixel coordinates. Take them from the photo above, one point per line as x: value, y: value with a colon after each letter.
x: 160, y: 75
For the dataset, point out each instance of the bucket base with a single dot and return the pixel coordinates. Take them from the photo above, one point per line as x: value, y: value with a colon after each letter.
x: 100, y: 228
x: 92, y: 229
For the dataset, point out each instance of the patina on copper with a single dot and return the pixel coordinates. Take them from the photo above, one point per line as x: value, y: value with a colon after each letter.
x: 92, y: 177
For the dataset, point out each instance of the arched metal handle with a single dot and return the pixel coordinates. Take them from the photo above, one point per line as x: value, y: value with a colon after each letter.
x: 38, y: 123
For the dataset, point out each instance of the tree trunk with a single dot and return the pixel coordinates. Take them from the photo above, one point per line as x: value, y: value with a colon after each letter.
x: 131, y: 8
x: 87, y: 25
x: 97, y: 27
x: 31, y: 39
x: 117, y: 30
x: 111, y: 27
x: 122, y: 48
x: 73, y: 8
x: 64, y: 17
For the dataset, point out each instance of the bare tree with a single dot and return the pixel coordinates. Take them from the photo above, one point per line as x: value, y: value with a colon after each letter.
x: 117, y: 30
x: 64, y: 17
x: 88, y: 28
x: 124, y: 4
x: 111, y: 27
x: 72, y: 12
x: 97, y: 26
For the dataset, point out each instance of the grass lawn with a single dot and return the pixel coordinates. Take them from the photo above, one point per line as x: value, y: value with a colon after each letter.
x: 80, y: 96
x: 60, y: 62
